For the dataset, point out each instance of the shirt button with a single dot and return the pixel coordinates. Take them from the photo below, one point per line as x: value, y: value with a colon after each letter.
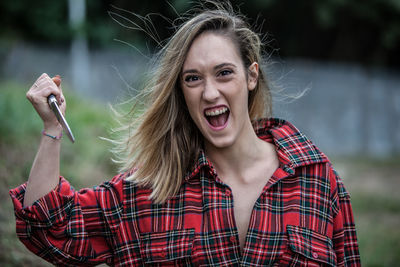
x: 232, y: 239
x: 315, y: 255
x: 228, y: 192
x: 162, y: 254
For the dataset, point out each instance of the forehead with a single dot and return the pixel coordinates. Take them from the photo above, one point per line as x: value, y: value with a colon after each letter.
x: 210, y: 49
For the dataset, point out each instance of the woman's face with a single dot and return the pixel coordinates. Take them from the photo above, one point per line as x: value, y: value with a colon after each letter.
x: 215, y: 85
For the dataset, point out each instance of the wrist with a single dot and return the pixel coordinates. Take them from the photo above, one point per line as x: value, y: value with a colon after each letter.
x: 55, y: 130
x: 54, y: 137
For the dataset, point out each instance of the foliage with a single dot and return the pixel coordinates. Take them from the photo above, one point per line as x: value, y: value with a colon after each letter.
x: 21, y: 128
x: 41, y: 20
x: 364, y: 31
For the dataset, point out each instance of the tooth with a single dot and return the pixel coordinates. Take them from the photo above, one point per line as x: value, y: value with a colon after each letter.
x: 216, y: 112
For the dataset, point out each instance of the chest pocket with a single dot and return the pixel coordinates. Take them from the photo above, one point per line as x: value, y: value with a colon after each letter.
x: 308, y: 248
x: 167, y: 248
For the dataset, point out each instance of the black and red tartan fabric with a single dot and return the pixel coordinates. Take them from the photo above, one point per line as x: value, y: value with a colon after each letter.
x: 302, y: 218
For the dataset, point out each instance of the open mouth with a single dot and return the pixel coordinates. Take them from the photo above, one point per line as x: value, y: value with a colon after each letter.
x: 217, y: 117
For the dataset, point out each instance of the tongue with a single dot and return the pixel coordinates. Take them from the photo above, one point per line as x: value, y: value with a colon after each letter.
x: 218, y: 120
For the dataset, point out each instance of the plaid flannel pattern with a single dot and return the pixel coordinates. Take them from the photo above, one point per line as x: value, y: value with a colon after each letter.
x: 302, y: 218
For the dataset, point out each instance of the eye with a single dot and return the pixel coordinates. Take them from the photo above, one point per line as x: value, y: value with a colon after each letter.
x: 224, y: 72
x: 191, y: 78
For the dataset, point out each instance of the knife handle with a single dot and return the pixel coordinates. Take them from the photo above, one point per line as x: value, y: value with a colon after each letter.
x: 52, y: 99
x: 53, y: 103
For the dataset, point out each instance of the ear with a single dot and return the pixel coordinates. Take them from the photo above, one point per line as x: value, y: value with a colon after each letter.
x: 252, y: 76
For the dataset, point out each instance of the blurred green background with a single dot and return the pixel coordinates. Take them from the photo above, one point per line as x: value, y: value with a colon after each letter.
x: 363, y: 33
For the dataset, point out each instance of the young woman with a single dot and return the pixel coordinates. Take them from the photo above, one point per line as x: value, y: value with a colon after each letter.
x: 206, y: 180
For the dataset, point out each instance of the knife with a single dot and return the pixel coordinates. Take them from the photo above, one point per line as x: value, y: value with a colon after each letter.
x: 54, y: 106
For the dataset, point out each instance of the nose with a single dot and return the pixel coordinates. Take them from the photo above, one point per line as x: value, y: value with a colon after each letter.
x: 210, y: 91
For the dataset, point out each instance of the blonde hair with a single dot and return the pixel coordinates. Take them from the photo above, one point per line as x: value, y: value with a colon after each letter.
x: 161, y: 145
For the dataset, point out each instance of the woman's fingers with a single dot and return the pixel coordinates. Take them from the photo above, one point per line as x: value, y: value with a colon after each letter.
x: 44, y: 86
x: 57, y: 80
x: 39, y: 92
x: 61, y: 100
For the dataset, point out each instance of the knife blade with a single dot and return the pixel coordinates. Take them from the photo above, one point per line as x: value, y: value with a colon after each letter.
x: 51, y: 99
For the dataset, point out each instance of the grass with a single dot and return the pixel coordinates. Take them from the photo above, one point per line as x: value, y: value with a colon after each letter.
x: 377, y: 220
x: 373, y: 184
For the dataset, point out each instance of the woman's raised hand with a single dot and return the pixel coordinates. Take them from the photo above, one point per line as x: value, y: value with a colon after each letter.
x: 37, y: 95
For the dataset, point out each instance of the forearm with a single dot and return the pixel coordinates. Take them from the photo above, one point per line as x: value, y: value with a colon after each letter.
x: 45, y: 171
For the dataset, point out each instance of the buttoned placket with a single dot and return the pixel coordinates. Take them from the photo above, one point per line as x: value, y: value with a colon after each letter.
x: 212, y: 181
x: 276, y: 177
x: 234, y: 239
x: 229, y: 202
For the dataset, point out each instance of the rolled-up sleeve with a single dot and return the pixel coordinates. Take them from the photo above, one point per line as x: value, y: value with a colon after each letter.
x: 65, y: 227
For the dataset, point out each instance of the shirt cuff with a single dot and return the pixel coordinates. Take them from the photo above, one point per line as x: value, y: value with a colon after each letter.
x: 47, y: 211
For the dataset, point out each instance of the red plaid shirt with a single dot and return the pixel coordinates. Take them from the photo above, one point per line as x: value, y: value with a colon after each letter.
x: 302, y: 218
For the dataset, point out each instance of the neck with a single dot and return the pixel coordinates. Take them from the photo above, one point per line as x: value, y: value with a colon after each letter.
x: 237, y: 160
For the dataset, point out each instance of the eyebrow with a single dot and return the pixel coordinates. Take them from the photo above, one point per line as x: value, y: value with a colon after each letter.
x: 215, y: 68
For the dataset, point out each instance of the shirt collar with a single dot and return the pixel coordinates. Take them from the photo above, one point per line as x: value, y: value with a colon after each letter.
x: 294, y: 149
x: 202, y: 163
